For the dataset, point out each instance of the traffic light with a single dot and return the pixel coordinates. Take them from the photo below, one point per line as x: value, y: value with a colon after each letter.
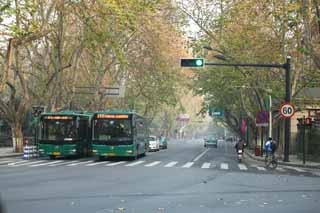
x: 192, y: 62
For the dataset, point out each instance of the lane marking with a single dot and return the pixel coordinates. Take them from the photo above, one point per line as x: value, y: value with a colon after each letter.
x: 296, y: 169
x: 116, y: 163
x: 242, y: 167
x: 188, y: 165
x: 135, y: 163
x: 199, y: 156
x: 205, y: 165
x: 81, y: 162
x: 97, y: 163
x: 60, y: 164
x: 171, y: 164
x: 28, y: 163
x: 45, y: 164
x: 224, y: 166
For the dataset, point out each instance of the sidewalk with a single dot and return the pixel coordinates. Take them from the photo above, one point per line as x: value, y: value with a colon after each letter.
x: 8, y: 152
x: 294, y: 161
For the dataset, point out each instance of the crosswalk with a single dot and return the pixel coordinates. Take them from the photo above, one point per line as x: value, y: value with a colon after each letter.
x: 224, y: 166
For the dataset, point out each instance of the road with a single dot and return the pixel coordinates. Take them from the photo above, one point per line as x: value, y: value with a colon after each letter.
x: 185, y: 178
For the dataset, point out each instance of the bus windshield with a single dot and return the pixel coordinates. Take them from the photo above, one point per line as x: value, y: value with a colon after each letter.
x: 59, y: 130
x: 112, y: 129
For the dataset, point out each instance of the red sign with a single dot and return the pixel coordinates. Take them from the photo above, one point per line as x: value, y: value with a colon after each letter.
x: 287, y: 110
x: 262, y: 118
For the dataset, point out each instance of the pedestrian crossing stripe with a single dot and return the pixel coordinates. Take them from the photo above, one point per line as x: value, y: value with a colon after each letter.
x: 280, y: 169
x: 224, y: 166
x: 117, y: 163
x: 153, y: 164
x: 28, y: 163
x: 5, y: 162
x: 17, y: 162
x: 81, y: 162
x: 64, y: 163
x: 97, y: 163
x: 45, y: 164
x: 259, y: 167
x: 135, y: 163
x: 296, y: 169
x: 171, y: 164
x: 242, y: 167
x: 188, y: 165
x: 205, y: 165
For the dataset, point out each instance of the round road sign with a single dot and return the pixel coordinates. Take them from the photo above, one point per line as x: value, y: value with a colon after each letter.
x: 287, y: 110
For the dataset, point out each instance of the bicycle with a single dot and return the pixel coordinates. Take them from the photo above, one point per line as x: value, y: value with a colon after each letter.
x: 271, y: 161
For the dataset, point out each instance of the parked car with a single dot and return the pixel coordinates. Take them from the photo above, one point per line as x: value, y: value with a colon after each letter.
x: 154, y: 144
x: 163, y: 142
x: 211, y: 142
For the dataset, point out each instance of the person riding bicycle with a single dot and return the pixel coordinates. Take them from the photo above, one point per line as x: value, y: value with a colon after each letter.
x: 270, y: 147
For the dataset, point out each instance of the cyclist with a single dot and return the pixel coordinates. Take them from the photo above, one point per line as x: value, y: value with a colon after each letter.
x: 270, y: 147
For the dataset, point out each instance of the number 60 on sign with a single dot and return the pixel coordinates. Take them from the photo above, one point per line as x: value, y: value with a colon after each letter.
x: 287, y: 110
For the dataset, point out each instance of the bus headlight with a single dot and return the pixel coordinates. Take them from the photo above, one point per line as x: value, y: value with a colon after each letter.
x: 94, y: 150
x: 73, y: 150
x: 129, y: 151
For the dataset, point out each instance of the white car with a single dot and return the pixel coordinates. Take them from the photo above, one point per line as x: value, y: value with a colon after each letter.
x: 154, y: 143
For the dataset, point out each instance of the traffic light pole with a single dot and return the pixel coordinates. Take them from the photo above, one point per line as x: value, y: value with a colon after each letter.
x: 287, y: 67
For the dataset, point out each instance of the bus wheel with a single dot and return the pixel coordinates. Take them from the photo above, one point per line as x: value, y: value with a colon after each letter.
x: 52, y: 157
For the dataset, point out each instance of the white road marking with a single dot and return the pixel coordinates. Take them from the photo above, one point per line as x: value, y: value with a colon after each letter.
x: 45, y: 164
x: 97, y: 163
x: 7, y: 161
x: 259, y: 168
x: 199, y: 156
x: 188, y: 165
x: 17, y: 162
x: 171, y: 164
x: 153, y: 164
x: 28, y: 163
x: 296, y: 169
x: 60, y: 164
x: 242, y: 167
x: 224, y: 166
x: 205, y: 165
x: 116, y: 163
x: 280, y: 169
x: 135, y: 163
x: 82, y: 162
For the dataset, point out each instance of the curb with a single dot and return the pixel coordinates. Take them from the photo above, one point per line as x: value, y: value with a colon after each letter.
x: 280, y: 162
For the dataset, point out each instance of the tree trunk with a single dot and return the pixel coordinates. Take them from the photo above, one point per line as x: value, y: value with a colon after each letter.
x: 17, y: 138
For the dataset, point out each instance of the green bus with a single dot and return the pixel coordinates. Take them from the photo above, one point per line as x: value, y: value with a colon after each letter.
x: 65, y: 134
x: 119, y: 134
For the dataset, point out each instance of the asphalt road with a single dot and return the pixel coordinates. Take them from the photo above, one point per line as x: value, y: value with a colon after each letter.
x: 185, y: 178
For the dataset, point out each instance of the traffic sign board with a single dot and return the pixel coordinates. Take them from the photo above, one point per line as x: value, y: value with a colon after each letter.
x: 287, y: 110
x: 262, y: 118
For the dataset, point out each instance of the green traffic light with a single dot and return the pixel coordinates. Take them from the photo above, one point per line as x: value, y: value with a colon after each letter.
x: 192, y: 62
x: 199, y: 62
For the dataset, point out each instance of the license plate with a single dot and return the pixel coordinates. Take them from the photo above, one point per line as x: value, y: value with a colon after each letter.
x: 56, y: 153
x: 111, y: 154
x: 240, y: 151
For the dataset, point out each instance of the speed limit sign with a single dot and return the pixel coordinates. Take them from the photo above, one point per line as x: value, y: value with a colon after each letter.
x: 287, y: 110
